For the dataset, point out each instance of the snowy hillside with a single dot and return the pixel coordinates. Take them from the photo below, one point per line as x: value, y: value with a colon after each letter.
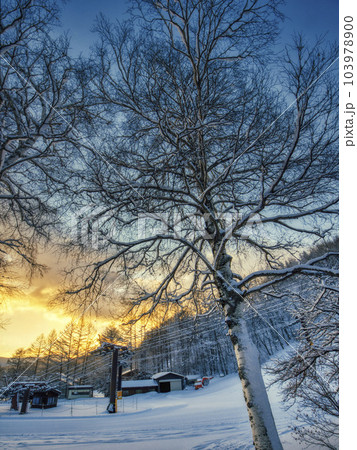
x: 212, y: 418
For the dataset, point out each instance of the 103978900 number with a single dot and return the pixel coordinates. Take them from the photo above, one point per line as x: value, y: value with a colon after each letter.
x: 348, y: 53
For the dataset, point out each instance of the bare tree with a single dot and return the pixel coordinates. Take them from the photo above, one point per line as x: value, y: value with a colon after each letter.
x: 111, y: 334
x: 23, y: 20
x: 207, y: 165
x: 17, y: 363
x: 39, y: 106
x: 49, y: 351
x: 36, y: 353
x: 309, y: 374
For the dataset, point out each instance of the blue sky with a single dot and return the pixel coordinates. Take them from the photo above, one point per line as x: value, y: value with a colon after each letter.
x: 311, y: 17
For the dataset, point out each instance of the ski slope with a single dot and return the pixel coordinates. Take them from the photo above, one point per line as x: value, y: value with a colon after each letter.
x: 211, y: 418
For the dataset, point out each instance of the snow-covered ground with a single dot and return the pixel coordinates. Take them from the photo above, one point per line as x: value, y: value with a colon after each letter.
x: 211, y: 418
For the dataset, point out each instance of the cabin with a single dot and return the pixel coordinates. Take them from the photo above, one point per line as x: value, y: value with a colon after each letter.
x: 80, y: 391
x: 169, y: 381
x: 46, y: 398
x: 132, y: 387
x: 40, y: 395
x: 21, y: 386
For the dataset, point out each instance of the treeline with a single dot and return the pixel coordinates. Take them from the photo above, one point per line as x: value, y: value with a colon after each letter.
x: 64, y: 358
x: 58, y: 356
x: 200, y: 345
x: 308, y: 372
x: 183, y: 343
x: 187, y: 345
x: 276, y: 319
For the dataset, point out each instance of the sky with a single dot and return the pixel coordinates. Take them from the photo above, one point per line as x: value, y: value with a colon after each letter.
x: 311, y: 17
x: 28, y: 315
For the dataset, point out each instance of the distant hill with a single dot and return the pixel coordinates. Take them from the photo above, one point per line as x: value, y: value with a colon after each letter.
x: 3, y: 360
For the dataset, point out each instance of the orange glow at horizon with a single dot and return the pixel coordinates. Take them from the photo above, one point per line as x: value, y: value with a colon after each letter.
x: 26, y: 315
x: 25, y: 320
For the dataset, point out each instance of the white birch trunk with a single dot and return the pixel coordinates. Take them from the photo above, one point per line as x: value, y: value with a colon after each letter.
x: 265, y: 435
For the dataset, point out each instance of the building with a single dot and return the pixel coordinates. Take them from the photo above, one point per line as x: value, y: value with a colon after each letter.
x: 38, y: 393
x: 169, y: 381
x: 132, y: 387
x: 160, y: 382
x: 81, y: 391
x: 21, y: 386
x: 191, y: 379
x: 46, y: 398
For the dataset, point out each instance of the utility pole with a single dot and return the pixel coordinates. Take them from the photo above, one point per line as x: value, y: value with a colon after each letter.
x: 119, y: 388
x: 120, y: 371
x: 112, y: 407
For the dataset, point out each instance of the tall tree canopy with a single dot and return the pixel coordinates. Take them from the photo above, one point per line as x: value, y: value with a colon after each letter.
x: 205, y: 161
x: 40, y: 105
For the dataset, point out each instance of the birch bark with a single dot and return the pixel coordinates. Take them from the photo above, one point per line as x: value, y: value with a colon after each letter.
x: 265, y: 435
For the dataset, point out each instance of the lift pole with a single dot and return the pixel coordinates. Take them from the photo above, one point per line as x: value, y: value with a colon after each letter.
x: 112, y: 407
x: 104, y: 348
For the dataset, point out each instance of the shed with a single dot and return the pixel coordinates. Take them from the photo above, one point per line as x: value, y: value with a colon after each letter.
x: 21, y: 386
x: 169, y: 381
x: 46, y: 398
x: 191, y: 379
x: 81, y: 391
x: 138, y: 387
x: 38, y: 393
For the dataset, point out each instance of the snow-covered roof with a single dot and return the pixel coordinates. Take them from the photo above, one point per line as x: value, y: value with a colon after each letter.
x: 34, y: 386
x: 162, y: 374
x: 47, y: 390
x: 192, y: 377
x: 81, y: 386
x: 138, y: 383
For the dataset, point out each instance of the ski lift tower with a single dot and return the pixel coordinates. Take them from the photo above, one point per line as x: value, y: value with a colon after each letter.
x: 119, y: 353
